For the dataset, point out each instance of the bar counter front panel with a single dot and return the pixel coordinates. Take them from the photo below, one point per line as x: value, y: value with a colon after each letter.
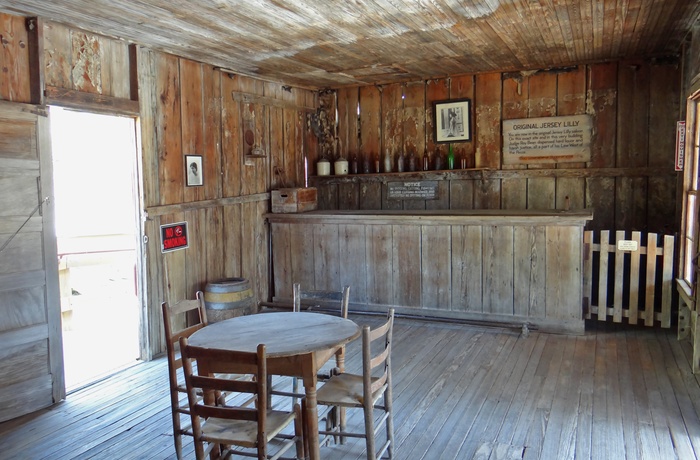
x: 495, y: 266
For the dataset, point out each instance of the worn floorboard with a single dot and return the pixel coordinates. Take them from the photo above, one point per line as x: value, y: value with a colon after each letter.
x: 460, y: 392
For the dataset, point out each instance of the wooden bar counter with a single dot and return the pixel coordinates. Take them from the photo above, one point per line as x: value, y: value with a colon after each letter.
x: 496, y: 266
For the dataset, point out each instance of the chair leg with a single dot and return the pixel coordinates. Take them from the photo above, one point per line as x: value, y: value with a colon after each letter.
x: 299, y: 433
x: 178, y: 445
x: 295, y: 390
x: 369, y: 430
x: 177, y: 435
x: 388, y: 405
x: 305, y: 428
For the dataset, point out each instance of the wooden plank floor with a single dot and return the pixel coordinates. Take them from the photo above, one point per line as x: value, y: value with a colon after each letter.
x: 460, y: 392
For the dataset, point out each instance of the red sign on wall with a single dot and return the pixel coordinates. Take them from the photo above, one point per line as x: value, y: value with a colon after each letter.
x: 173, y: 237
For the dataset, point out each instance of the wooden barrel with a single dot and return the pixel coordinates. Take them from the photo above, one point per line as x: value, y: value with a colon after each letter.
x: 228, y: 298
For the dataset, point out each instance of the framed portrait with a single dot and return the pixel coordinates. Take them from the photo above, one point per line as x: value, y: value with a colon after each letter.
x: 193, y: 170
x: 452, y: 121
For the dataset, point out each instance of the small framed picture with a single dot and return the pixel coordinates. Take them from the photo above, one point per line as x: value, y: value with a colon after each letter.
x: 452, y: 121
x: 193, y: 170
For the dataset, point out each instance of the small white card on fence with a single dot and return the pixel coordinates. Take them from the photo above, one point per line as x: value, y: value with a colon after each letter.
x: 627, y: 245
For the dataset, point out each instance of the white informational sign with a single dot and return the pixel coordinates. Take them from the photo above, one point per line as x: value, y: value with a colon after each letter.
x: 547, y: 140
x: 627, y: 245
x: 680, y: 145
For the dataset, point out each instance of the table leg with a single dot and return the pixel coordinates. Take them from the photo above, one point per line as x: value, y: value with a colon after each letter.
x: 311, y: 421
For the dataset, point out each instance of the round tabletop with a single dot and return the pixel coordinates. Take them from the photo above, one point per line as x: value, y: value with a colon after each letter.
x: 284, y: 334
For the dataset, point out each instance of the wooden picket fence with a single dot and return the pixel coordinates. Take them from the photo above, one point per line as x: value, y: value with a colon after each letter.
x: 622, y: 282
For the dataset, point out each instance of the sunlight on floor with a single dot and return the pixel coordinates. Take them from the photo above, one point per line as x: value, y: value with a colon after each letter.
x: 100, y: 331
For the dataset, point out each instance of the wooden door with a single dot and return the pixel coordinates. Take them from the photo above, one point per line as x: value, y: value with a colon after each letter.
x: 31, y: 358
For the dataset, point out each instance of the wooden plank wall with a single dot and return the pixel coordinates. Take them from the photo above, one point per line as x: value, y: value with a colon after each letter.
x: 629, y: 181
x: 191, y: 108
x: 476, y: 269
x: 185, y: 107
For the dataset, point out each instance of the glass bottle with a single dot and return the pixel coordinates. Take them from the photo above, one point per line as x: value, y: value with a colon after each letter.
x: 438, y: 160
x: 412, y: 161
x: 400, y: 162
x: 387, y: 161
x: 450, y: 158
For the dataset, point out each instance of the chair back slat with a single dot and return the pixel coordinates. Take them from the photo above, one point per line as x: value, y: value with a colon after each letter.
x: 213, y: 362
x: 322, y: 298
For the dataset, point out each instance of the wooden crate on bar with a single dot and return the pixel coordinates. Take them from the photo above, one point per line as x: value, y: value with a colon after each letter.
x: 623, y: 282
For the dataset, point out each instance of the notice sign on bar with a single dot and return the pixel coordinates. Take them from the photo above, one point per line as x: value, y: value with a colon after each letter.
x: 173, y: 237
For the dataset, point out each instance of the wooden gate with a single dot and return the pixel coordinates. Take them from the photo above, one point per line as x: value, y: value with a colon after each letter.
x: 628, y: 278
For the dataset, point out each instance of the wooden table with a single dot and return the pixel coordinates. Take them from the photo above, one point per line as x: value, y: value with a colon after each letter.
x: 298, y: 344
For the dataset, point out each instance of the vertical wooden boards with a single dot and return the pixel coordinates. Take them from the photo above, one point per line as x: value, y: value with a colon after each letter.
x: 664, y: 88
x: 392, y: 135
x: 14, y: 59
x: 602, y: 100
x: 353, y: 260
x: 192, y: 126
x: 515, y: 105
x: 414, y: 131
x: 370, y: 142
x: 498, y: 269
x: 467, y: 277
x: 460, y: 88
x: 632, y: 143
x: 476, y: 270
x: 487, y: 121
x: 171, y: 172
x: 634, y: 280
x: 563, y: 265
x: 302, y: 250
x: 380, y: 270
x: 436, y: 267
x: 326, y: 257
x: 148, y: 107
x: 542, y: 103
x: 414, y: 123
x: 348, y: 101
x: 255, y: 125
x: 406, y: 264
x: 435, y: 90
x: 211, y: 120
x: 277, y: 137
x: 57, y: 55
x: 196, y: 254
x: 281, y: 248
x: 530, y: 271
x: 115, y: 68
x: 571, y: 100
x: 31, y: 374
x: 87, y: 63
x: 231, y: 138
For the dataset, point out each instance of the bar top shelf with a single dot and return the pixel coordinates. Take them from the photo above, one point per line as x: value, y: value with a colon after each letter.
x: 550, y: 217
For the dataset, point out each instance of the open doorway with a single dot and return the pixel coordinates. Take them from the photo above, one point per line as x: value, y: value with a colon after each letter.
x: 97, y: 209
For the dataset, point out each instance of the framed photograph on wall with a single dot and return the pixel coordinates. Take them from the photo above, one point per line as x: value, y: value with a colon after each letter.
x: 452, y: 121
x: 193, y: 170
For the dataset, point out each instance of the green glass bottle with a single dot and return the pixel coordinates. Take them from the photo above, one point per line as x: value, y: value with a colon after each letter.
x: 450, y: 159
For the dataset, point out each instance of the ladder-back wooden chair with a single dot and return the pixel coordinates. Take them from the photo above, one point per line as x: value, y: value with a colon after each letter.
x: 182, y: 320
x: 184, y: 313
x: 333, y: 302
x: 217, y: 425
x: 365, y: 391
